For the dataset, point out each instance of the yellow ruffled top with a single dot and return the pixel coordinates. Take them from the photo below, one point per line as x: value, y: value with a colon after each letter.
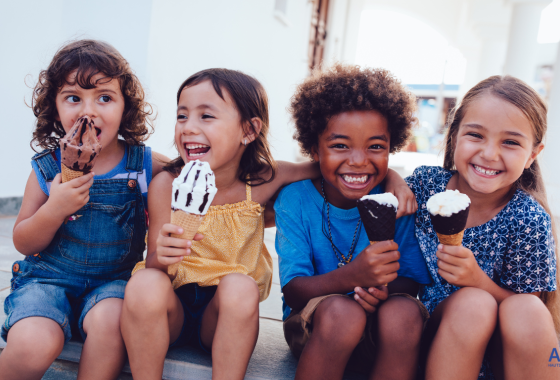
x: 233, y: 243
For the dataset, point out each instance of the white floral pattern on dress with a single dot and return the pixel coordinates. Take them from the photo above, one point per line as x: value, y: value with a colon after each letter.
x: 515, y: 248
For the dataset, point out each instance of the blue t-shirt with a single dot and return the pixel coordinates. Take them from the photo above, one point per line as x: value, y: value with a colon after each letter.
x: 304, y: 250
x: 144, y: 177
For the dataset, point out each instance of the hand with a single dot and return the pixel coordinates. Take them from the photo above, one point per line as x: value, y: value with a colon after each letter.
x: 395, y: 185
x: 68, y: 197
x: 376, y: 265
x: 370, y: 298
x: 458, y: 266
x: 171, y: 250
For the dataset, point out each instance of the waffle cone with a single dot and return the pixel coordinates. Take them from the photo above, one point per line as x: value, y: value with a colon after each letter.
x: 455, y: 239
x: 69, y: 174
x: 190, y: 224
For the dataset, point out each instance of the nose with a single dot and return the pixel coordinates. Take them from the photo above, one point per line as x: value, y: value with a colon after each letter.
x: 490, y: 151
x: 190, y: 127
x: 357, y: 158
x: 88, y: 108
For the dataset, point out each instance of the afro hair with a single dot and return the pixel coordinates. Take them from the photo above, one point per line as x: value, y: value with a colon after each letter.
x: 344, y: 88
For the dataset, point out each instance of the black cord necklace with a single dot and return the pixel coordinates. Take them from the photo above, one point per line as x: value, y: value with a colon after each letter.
x: 339, y: 255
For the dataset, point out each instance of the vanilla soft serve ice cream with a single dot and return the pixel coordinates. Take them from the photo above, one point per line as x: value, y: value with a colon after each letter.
x: 448, y: 203
x: 194, y: 189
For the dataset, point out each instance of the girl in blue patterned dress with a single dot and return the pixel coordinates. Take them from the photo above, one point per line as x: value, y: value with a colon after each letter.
x: 497, y: 292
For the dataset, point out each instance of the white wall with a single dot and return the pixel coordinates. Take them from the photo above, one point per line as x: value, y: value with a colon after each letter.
x: 165, y: 41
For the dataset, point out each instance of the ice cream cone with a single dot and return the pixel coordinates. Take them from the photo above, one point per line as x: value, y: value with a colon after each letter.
x: 190, y: 224
x: 455, y: 239
x: 69, y: 174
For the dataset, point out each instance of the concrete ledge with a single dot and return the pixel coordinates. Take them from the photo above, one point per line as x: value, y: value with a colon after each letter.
x: 10, y: 206
x: 271, y: 360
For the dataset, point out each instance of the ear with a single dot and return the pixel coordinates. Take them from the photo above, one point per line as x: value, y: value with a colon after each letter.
x: 534, y: 154
x: 252, y: 134
x: 314, y: 154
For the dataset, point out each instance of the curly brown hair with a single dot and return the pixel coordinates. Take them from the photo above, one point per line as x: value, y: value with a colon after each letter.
x: 343, y: 88
x: 87, y: 58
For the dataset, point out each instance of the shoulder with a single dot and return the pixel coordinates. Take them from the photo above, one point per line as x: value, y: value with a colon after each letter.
x: 428, y: 178
x: 526, y: 210
x: 292, y: 195
x: 162, y: 182
x: 158, y: 162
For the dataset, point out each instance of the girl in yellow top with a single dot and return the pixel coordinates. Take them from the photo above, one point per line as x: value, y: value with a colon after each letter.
x: 222, y: 118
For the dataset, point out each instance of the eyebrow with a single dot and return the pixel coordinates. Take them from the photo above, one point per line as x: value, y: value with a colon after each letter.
x: 335, y: 136
x: 200, y: 106
x: 97, y: 89
x: 511, y: 133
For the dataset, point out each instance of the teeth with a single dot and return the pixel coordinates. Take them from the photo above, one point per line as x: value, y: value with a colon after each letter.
x: 196, y: 154
x: 485, y: 171
x: 350, y: 179
x: 195, y: 146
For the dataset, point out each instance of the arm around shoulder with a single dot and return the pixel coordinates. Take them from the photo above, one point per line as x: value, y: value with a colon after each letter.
x: 158, y: 162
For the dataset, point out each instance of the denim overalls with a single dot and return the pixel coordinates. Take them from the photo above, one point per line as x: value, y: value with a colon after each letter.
x: 91, y: 256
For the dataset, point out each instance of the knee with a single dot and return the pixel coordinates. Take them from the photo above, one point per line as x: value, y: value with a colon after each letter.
x: 145, y: 292
x: 400, y: 322
x: 238, y: 294
x: 471, y: 309
x: 525, y: 320
x: 43, y: 341
x: 339, y: 321
x: 103, y: 320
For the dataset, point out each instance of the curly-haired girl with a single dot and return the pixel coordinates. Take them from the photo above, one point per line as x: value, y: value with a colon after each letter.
x: 81, y: 238
x: 349, y: 119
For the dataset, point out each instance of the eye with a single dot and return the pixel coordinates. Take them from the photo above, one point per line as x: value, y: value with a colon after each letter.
x: 511, y: 142
x: 376, y: 147
x: 206, y: 116
x: 474, y: 134
x: 104, y: 98
x: 338, y: 146
x: 181, y: 117
x: 73, y: 99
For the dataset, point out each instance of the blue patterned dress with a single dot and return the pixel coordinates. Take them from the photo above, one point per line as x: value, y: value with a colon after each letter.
x: 515, y: 248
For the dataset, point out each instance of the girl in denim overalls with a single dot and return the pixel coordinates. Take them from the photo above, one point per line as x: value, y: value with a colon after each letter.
x: 82, y: 237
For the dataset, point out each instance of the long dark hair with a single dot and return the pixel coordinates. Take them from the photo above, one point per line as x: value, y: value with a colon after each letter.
x: 88, y: 58
x: 250, y: 101
x: 528, y: 101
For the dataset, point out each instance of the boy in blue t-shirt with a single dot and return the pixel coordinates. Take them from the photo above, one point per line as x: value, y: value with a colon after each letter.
x: 336, y: 307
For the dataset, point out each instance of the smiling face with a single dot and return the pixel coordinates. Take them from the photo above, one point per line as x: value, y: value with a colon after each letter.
x: 104, y: 104
x: 208, y: 127
x: 494, y: 144
x: 353, y: 154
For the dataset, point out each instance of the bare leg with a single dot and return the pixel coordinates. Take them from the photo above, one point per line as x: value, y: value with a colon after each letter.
x: 33, y: 345
x: 338, y: 326
x: 104, y: 343
x: 152, y: 317
x: 399, y: 329
x: 230, y: 326
x: 461, y: 327
x: 528, y: 337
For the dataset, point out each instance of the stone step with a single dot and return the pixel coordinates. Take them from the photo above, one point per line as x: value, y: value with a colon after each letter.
x: 271, y: 360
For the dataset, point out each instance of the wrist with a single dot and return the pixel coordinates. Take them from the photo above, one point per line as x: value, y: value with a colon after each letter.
x: 53, y: 212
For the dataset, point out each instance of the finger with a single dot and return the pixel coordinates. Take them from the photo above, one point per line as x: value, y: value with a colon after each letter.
x: 447, y: 267
x: 383, y: 246
x: 367, y: 307
x: 170, y: 252
x: 169, y: 228
x: 164, y: 260
x: 80, y: 181
x: 385, y: 279
x: 168, y: 241
x: 455, y: 250
x: 413, y: 205
x: 389, y: 257
x: 449, y: 277
x: 366, y: 296
x: 450, y: 259
x: 381, y: 292
x: 198, y: 237
x: 57, y: 179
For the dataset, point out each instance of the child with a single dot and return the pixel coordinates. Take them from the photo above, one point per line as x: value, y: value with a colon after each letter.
x: 508, y: 251
x: 73, y: 278
x: 349, y: 120
x: 222, y: 118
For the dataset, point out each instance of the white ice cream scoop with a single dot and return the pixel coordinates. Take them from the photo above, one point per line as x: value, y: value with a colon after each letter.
x: 447, y: 203
x: 386, y: 199
x: 194, y: 189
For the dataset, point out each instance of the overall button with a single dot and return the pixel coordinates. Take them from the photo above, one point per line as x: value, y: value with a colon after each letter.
x: 131, y: 184
x: 15, y: 268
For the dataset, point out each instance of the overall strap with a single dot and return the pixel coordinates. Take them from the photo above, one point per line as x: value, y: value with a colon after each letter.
x: 135, y: 161
x: 248, y: 191
x: 47, y: 163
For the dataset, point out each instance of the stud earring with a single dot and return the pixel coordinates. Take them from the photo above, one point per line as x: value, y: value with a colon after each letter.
x: 245, y: 142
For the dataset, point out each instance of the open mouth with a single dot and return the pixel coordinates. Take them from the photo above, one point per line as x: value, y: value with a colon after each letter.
x: 195, y: 151
x: 487, y: 172
x: 356, y: 181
